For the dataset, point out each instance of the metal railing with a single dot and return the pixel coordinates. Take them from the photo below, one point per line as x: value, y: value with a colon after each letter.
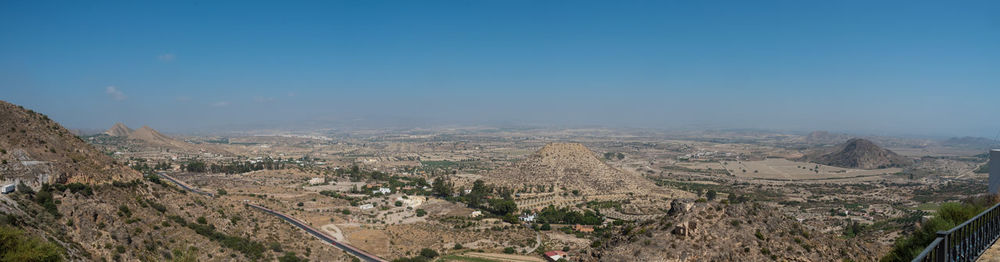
x: 965, y: 242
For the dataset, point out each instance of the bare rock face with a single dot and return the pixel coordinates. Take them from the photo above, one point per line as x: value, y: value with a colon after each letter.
x: 680, y: 206
x: 861, y: 153
x: 686, y: 228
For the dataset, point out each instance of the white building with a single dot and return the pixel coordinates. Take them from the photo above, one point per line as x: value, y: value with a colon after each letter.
x: 366, y: 206
x: 383, y: 190
x: 317, y: 181
x: 476, y: 213
x: 7, y: 189
x: 528, y: 218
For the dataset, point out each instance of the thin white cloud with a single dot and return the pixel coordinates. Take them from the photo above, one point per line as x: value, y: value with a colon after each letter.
x: 221, y: 104
x: 166, y: 57
x: 291, y: 94
x: 261, y: 99
x: 115, y: 93
x: 183, y: 98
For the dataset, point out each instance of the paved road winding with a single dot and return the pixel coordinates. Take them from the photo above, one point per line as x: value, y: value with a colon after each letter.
x: 183, y: 185
x: 312, y: 231
x: 326, y: 238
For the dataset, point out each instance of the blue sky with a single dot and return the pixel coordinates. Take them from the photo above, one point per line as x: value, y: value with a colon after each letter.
x: 883, y: 67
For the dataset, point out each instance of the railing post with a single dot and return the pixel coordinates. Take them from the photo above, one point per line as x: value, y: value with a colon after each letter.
x: 942, y: 249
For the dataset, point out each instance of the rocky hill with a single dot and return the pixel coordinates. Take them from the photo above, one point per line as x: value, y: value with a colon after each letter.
x: 36, y: 150
x: 95, y: 209
x: 728, y: 232
x: 860, y: 153
x: 573, y: 166
x: 119, y: 129
x: 150, y: 137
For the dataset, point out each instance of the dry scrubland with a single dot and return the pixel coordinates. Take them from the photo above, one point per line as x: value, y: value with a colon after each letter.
x: 648, y: 195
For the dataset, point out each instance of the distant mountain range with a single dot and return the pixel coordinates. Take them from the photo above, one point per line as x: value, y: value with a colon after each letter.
x: 151, y: 137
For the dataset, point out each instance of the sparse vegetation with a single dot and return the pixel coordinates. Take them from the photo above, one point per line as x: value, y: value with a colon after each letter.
x: 15, y: 245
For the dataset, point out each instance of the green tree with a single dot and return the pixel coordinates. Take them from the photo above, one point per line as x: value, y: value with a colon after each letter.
x: 291, y: 257
x: 428, y: 253
x: 442, y: 187
x: 947, y: 216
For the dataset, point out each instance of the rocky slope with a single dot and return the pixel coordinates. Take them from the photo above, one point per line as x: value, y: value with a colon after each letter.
x: 153, y: 137
x: 728, y: 232
x: 96, y: 209
x: 859, y: 153
x: 118, y: 129
x: 148, y: 136
x: 36, y: 150
x: 573, y: 166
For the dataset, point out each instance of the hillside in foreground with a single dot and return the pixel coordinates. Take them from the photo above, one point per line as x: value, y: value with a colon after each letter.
x: 729, y: 232
x: 96, y: 209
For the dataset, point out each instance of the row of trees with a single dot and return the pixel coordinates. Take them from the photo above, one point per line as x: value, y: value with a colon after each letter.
x: 232, y: 167
x: 566, y: 215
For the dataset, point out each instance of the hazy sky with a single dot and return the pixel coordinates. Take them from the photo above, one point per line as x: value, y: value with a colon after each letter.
x: 892, y: 67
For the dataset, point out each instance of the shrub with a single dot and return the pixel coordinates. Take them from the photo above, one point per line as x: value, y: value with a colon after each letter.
x: 508, y: 250
x: 428, y: 253
x: 124, y: 211
x: 290, y: 257
x: 711, y: 195
x: 421, y: 212
x: 948, y: 216
x: 16, y: 246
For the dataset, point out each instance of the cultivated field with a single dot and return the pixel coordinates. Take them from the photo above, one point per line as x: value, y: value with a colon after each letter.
x: 783, y: 169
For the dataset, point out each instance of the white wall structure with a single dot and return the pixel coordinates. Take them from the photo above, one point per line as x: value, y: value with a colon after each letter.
x: 994, y: 171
